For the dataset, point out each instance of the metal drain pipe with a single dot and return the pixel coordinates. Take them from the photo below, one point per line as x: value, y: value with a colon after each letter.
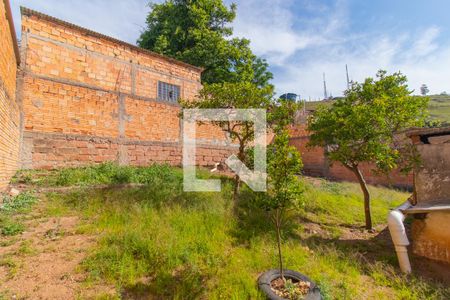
x: 398, y: 234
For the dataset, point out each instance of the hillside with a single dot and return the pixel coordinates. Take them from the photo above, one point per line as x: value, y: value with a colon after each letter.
x: 439, y: 107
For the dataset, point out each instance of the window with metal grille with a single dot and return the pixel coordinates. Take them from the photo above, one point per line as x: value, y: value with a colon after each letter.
x: 168, y: 92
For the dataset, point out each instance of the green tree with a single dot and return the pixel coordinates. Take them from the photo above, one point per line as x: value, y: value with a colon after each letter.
x: 241, y: 95
x: 285, y: 189
x: 424, y: 90
x: 361, y: 127
x: 198, y: 32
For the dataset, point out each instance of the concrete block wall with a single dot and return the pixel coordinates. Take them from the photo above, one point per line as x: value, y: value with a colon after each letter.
x: 431, y: 236
x: 9, y: 108
x: 431, y: 230
x: 90, y: 98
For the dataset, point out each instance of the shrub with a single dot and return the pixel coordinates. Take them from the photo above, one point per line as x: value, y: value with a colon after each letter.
x: 17, y: 203
x: 10, y: 228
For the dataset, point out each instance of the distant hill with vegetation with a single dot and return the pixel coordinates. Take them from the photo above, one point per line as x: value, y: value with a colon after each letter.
x: 439, y: 107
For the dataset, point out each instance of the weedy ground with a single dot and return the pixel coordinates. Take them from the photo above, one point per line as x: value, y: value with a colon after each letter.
x: 104, y: 239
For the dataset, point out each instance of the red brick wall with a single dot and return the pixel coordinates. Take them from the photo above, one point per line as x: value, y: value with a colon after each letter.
x: 316, y: 164
x: 62, y: 150
x: 9, y: 108
x: 395, y: 178
x: 87, y: 98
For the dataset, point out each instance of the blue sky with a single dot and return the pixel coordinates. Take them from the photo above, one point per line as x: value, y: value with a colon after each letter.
x: 304, y: 38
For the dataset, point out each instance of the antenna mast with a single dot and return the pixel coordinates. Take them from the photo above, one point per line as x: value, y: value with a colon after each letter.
x: 304, y: 106
x: 348, y: 80
x: 325, y: 87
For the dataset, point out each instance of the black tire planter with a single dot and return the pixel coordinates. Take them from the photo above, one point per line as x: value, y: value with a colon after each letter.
x: 266, y: 278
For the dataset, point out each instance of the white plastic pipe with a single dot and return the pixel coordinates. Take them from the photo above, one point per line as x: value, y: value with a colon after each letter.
x: 398, y: 234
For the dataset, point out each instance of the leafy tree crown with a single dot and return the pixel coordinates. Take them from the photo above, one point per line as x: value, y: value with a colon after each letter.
x: 361, y: 126
x: 199, y: 32
x: 241, y: 95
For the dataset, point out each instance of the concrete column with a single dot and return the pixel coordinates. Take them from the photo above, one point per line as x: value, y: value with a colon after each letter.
x: 123, y: 118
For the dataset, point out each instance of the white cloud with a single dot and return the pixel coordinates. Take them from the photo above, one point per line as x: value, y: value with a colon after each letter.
x: 270, y: 25
x: 382, y: 52
x: 302, y: 47
x: 301, y: 39
x: 426, y: 43
x: 120, y: 19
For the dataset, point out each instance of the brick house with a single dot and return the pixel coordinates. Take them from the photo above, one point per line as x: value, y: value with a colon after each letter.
x: 83, y: 97
x: 89, y: 98
x: 9, y: 106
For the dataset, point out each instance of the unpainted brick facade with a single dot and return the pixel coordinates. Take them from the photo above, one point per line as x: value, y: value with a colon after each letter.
x: 9, y: 108
x: 90, y: 98
x: 315, y: 163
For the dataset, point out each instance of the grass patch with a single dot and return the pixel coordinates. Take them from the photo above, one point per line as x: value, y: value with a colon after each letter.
x: 11, y: 265
x: 10, y: 227
x: 439, y: 108
x: 341, y: 203
x: 108, y: 173
x: 16, y: 204
x: 26, y: 248
x: 158, y: 241
x: 11, y: 207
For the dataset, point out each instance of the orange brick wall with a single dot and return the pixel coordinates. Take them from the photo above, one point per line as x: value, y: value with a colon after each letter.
x: 314, y: 161
x: 316, y: 164
x: 87, y: 98
x: 152, y: 121
x: 62, y: 150
x: 9, y: 108
x: 55, y: 107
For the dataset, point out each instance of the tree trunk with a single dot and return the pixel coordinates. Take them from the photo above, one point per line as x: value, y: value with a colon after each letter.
x: 237, y: 184
x: 363, y: 184
x: 280, y: 257
x: 237, y: 180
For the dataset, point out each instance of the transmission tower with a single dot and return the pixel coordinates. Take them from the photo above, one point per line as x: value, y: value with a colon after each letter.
x: 348, y: 80
x: 325, y: 87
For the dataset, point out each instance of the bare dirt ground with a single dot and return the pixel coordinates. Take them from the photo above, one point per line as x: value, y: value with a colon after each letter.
x: 43, y: 262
